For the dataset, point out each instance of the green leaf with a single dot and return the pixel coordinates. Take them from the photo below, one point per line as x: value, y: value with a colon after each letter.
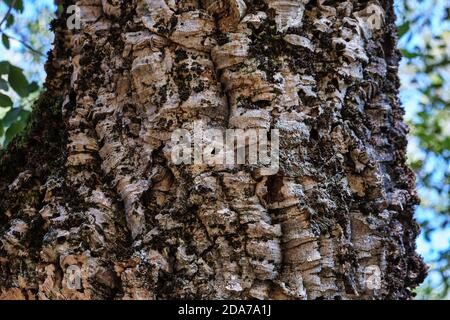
x: 18, y: 5
x: 17, y: 81
x: 33, y: 87
x: 3, y: 84
x: 409, y: 54
x: 4, y: 67
x: 13, y: 130
x: 15, y: 120
x: 1, y: 130
x: 5, y: 101
x: 403, y: 29
x: 436, y: 81
x: 11, y: 116
x: 5, y: 41
x: 10, y: 20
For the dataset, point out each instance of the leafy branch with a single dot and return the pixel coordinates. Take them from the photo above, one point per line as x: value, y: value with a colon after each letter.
x: 8, y: 13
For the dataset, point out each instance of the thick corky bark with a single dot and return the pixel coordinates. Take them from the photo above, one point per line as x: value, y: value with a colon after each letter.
x: 92, y: 183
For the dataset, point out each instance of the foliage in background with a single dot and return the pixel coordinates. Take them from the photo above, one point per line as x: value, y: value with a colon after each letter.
x: 425, y: 44
x: 24, y: 39
x: 424, y: 31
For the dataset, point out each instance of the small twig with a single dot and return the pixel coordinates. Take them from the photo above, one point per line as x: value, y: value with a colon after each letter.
x: 8, y: 12
x: 26, y: 45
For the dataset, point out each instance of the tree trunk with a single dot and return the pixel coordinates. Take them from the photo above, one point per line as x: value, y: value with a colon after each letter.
x: 93, y: 206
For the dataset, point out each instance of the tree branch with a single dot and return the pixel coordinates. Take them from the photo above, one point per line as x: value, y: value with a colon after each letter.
x: 8, y: 12
x: 26, y: 45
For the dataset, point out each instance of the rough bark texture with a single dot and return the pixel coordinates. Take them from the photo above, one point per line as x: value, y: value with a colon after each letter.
x: 92, y: 184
